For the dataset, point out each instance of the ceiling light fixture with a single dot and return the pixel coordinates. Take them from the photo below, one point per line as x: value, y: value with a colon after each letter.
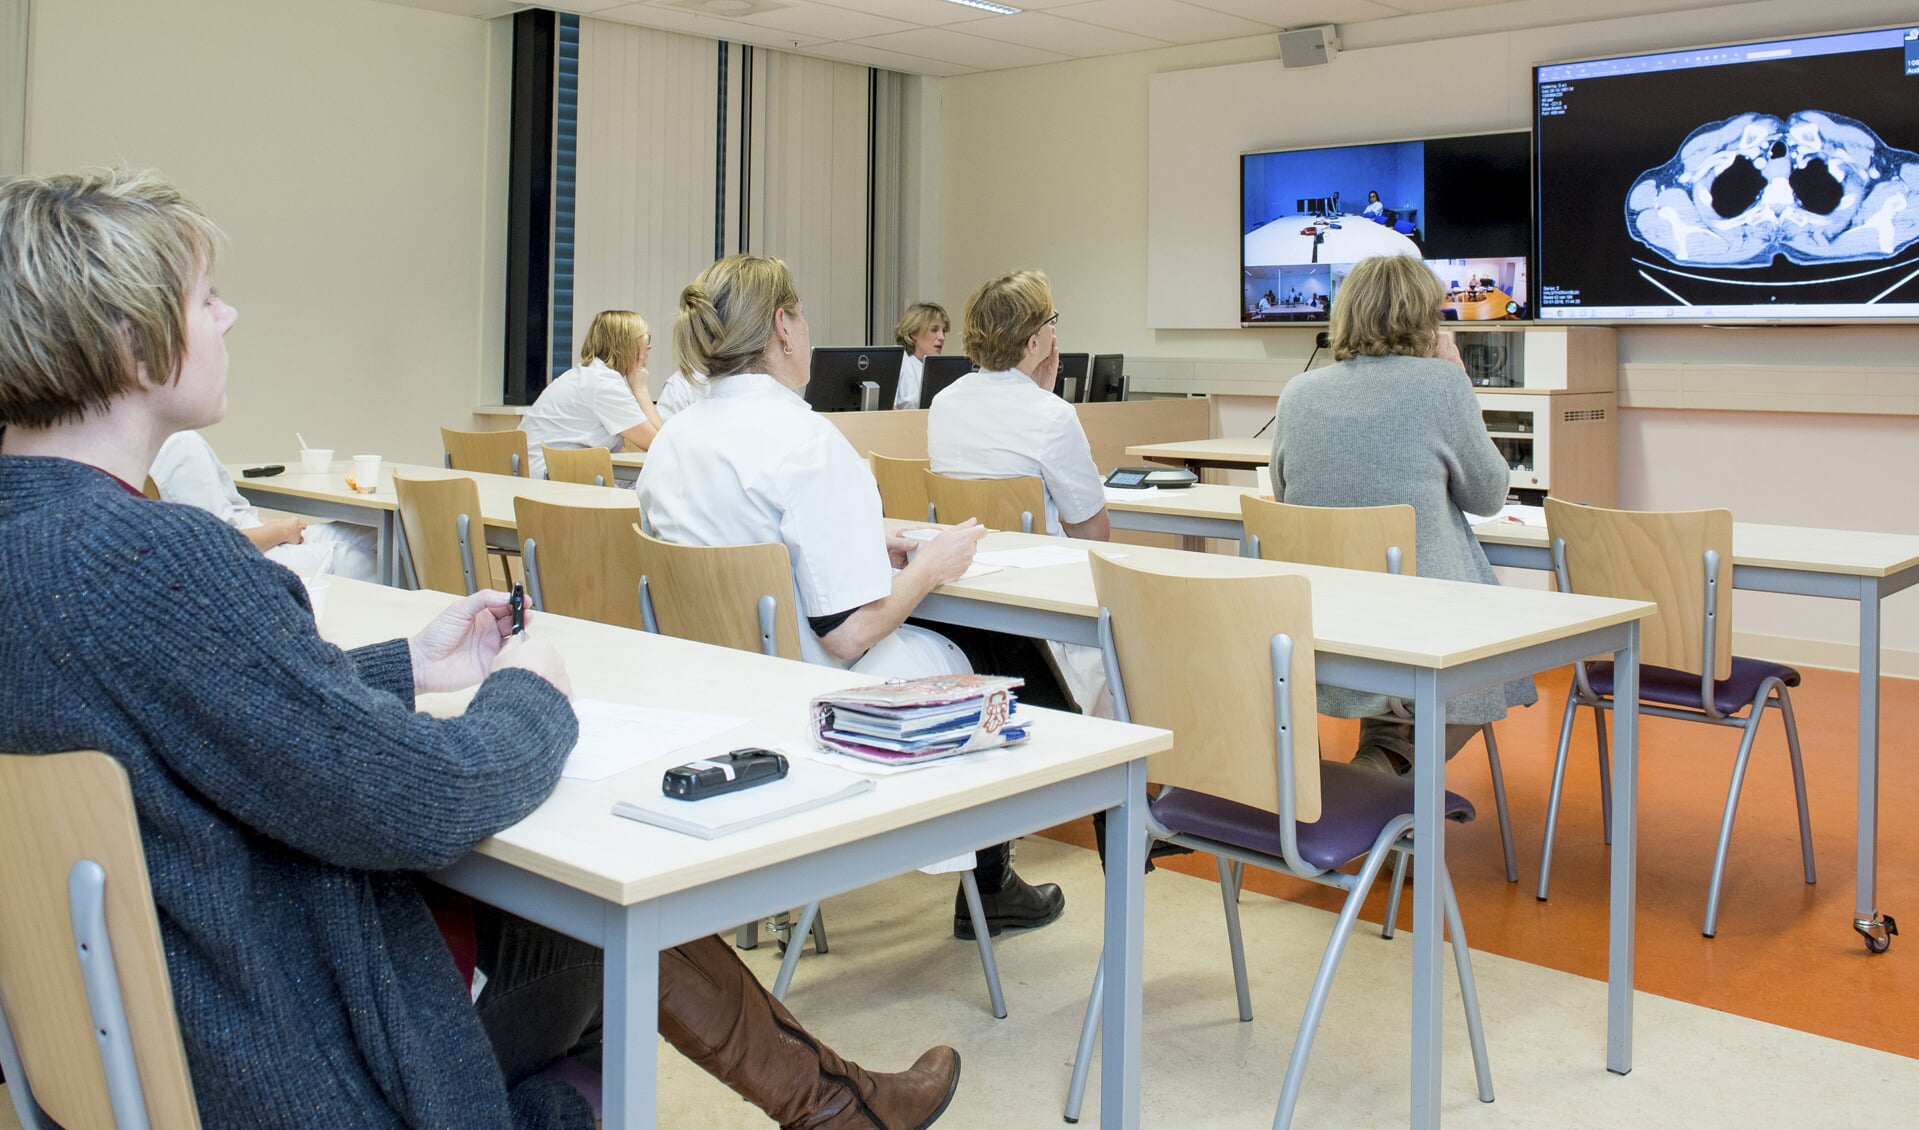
x: 988, y: 6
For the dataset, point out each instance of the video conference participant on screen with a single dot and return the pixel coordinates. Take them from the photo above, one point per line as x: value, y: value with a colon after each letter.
x: 1374, y: 208
x: 289, y: 794
x: 1396, y: 421
x: 922, y: 333
x: 603, y: 401
x: 753, y: 463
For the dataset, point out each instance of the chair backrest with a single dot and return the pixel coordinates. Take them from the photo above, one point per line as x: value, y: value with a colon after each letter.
x: 1194, y: 659
x: 1341, y: 537
x: 1000, y: 504
x: 590, y: 465
x: 581, y: 560
x: 57, y: 812
x: 713, y: 593
x: 902, y: 486
x: 496, y: 453
x: 1657, y: 556
x: 430, y: 514
x: 151, y: 489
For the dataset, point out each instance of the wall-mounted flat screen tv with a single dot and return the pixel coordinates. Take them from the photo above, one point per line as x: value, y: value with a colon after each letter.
x: 1462, y: 204
x: 1769, y: 182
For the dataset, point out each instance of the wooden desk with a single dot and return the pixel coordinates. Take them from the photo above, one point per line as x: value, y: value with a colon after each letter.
x: 1203, y: 510
x: 1419, y: 639
x: 626, y: 467
x: 634, y: 889
x: 326, y: 496
x: 1238, y: 452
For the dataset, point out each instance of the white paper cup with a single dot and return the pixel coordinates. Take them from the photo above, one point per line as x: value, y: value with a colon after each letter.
x: 316, y: 460
x: 316, y: 596
x: 366, y: 472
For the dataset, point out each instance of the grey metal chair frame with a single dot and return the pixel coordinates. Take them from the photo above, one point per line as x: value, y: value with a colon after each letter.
x: 811, y: 921
x: 1232, y: 860
x: 1771, y: 693
x: 1394, y: 559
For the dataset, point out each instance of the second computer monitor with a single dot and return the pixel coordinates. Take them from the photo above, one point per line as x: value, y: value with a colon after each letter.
x: 837, y: 374
x: 1108, y: 379
x: 1071, y: 384
x: 941, y: 371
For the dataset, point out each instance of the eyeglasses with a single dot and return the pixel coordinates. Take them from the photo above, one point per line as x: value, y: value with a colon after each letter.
x: 1048, y: 322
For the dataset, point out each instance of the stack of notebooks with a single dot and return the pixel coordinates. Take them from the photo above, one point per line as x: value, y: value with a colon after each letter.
x: 920, y: 719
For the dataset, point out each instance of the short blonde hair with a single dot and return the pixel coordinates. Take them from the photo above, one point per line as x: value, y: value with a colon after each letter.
x: 920, y: 317
x: 725, y: 324
x: 1389, y: 304
x: 616, y: 339
x: 98, y: 270
x: 1003, y: 315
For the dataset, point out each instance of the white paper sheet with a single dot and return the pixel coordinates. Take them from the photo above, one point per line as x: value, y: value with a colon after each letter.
x: 616, y: 736
x: 1035, y: 557
x: 1524, y: 515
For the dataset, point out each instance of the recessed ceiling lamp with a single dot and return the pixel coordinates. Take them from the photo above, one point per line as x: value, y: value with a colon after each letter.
x: 988, y: 6
x: 732, y: 9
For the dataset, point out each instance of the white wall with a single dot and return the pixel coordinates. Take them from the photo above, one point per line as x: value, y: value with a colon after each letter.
x: 1119, y: 177
x: 349, y: 151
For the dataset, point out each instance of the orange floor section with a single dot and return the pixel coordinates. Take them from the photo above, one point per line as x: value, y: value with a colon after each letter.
x: 1785, y: 951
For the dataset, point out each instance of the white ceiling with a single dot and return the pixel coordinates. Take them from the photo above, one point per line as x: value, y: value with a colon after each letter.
x: 938, y: 37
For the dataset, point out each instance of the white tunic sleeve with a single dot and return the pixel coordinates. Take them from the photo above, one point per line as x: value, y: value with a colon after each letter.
x: 188, y: 472
x: 833, y: 528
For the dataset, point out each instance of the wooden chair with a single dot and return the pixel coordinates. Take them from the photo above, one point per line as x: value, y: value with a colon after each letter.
x: 440, y: 521
x: 89, y: 1035
x: 151, y: 489
x: 902, y: 486
x: 590, y: 465
x: 580, y: 560
x: 1244, y: 781
x: 741, y: 596
x: 1001, y: 504
x: 1681, y: 561
x: 1375, y: 539
x: 496, y: 453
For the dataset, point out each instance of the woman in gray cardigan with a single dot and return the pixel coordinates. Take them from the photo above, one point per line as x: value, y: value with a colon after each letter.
x: 1396, y: 422
x: 288, y: 792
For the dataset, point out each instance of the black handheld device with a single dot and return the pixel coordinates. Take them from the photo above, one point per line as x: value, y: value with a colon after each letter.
x: 517, y: 602
x: 729, y: 773
x: 267, y: 471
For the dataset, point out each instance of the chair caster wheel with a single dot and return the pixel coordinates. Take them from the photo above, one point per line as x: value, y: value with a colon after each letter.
x: 781, y: 927
x: 1878, y: 932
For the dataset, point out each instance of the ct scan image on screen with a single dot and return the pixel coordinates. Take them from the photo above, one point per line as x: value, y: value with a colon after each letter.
x: 1462, y: 204
x: 1772, y: 181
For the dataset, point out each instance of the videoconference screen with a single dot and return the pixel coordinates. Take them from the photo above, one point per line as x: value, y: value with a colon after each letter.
x: 1770, y: 181
x: 1462, y: 204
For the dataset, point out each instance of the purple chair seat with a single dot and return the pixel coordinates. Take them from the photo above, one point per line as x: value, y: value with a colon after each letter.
x: 1668, y: 687
x: 1354, y: 805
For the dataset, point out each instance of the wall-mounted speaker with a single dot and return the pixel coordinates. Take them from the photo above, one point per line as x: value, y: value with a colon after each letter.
x: 1308, y: 46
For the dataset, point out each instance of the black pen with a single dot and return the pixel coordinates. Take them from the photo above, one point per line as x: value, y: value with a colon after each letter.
x: 517, y: 602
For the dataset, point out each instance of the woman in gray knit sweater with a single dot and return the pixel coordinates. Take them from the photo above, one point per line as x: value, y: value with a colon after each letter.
x: 288, y: 792
x: 1396, y: 422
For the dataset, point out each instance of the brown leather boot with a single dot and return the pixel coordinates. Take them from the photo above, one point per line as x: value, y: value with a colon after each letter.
x: 717, y: 1014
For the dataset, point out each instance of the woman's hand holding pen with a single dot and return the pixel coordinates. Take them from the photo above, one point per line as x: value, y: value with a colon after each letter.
x: 470, y: 639
x: 947, y: 556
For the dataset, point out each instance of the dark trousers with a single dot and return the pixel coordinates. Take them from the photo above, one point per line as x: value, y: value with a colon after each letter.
x: 541, y: 1002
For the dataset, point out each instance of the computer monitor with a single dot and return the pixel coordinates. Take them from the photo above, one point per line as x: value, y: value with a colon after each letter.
x: 836, y: 376
x: 1071, y: 384
x: 1108, y: 379
x: 942, y: 370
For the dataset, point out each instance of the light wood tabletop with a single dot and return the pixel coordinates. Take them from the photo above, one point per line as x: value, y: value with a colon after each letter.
x: 1224, y: 451
x: 1416, y: 621
x: 497, y: 492
x: 575, y: 839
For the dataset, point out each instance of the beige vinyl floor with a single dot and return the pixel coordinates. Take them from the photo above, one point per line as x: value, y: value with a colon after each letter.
x: 895, y: 981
